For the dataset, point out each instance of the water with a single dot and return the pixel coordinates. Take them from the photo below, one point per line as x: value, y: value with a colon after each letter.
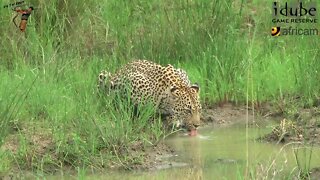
x: 222, y: 153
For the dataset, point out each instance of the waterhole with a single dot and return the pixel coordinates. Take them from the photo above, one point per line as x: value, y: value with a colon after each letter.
x: 230, y: 153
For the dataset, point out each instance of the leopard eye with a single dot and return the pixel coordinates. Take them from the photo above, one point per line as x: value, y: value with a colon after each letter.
x: 188, y: 110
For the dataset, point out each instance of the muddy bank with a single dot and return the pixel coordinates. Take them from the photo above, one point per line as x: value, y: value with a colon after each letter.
x: 226, y: 115
x: 303, y: 127
x: 151, y: 157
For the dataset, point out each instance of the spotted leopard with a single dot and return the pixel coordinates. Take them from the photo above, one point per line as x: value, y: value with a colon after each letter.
x: 169, y: 89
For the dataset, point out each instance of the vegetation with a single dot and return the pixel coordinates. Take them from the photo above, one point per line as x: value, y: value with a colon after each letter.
x: 50, y: 112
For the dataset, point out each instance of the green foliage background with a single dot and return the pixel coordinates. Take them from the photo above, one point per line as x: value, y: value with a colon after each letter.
x: 48, y: 74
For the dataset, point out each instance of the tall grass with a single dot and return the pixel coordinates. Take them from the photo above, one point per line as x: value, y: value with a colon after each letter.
x: 65, y: 123
x: 208, y: 38
x: 48, y: 74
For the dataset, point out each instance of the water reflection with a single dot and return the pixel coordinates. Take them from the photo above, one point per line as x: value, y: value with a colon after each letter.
x: 194, y: 171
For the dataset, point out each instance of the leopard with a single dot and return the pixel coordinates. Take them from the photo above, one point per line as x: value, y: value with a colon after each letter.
x: 167, y: 88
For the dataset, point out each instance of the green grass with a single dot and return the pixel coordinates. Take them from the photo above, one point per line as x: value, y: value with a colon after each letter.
x: 48, y: 75
x: 70, y: 121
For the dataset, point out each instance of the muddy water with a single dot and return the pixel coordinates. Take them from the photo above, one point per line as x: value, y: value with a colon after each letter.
x: 222, y: 153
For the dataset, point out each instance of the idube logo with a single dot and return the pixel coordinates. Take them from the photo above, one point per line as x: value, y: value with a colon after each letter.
x: 297, y: 15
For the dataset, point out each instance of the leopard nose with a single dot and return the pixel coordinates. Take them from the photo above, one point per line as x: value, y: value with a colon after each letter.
x: 196, y: 125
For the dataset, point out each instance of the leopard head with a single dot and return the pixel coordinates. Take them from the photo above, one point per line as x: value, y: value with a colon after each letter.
x: 186, y: 106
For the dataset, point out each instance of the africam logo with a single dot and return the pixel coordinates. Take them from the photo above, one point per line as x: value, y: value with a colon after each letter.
x: 275, y: 31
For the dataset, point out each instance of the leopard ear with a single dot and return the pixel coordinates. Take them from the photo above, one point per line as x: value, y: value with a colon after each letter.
x: 195, y: 87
